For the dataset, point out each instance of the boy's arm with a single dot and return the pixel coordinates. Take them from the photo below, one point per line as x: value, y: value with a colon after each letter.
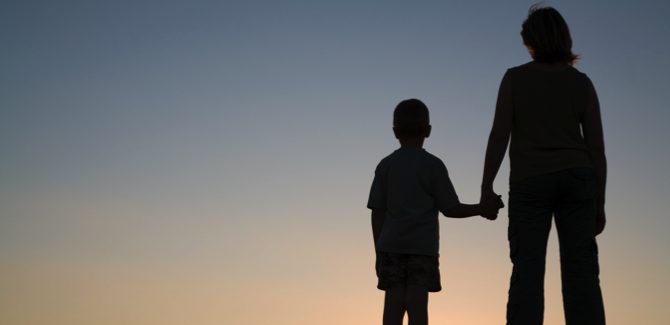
x: 487, y: 209
x: 448, y: 203
x: 463, y: 210
x: 377, y: 223
x: 377, y: 202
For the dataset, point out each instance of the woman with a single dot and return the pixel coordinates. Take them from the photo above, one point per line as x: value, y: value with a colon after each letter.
x: 551, y: 113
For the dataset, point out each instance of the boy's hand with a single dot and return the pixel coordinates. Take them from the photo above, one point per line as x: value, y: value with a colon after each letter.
x: 491, y: 206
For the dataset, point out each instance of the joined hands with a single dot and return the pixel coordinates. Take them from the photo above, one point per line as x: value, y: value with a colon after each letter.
x: 491, y: 203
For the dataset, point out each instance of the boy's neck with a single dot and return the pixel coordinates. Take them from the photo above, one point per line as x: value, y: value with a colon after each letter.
x: 416, y: 143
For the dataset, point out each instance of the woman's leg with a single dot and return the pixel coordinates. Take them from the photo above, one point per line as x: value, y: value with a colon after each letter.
x: 576, y: 224
x: 530, y: 210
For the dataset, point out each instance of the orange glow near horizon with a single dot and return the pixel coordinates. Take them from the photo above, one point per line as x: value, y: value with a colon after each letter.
x: 306, y: 280
x: 208, y: 162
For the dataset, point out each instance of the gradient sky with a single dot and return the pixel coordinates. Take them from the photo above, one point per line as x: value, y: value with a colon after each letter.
x: 208, y: 162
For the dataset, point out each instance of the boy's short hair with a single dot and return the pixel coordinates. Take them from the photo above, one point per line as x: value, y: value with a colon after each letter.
x: 410, y: 118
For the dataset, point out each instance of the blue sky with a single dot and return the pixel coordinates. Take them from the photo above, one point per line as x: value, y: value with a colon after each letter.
x: 221, y: 135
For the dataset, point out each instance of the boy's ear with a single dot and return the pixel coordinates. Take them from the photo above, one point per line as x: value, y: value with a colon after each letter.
x: 395, y: 133
x: 428, y: 129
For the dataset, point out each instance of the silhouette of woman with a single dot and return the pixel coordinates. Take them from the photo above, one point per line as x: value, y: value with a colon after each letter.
x: 551, y: 113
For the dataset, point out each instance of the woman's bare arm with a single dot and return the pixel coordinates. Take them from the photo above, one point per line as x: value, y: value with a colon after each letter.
x: 499, y: 137
x: 593, y: 137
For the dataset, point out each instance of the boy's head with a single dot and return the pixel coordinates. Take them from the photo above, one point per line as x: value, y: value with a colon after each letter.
x: 411, y: 120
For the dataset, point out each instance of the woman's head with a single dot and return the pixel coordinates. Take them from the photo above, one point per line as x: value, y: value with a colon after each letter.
x: 547, y: 36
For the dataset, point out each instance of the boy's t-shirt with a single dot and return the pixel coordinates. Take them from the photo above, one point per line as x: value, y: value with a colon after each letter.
x: 412, y: 186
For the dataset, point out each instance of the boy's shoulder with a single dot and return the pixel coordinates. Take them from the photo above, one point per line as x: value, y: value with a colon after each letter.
x: 385, y: 162
x: 431, y: 157
x: 434, y: 162
x: 420, y: 156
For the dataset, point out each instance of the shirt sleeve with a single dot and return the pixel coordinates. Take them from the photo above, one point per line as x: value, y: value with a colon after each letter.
x: 377, y: 198
x: 445, y: 194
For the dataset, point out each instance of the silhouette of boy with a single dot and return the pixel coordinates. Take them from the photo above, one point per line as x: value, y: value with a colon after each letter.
x: 409, y: 188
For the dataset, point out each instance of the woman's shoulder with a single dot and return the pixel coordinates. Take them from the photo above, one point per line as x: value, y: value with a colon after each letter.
x: 535, y: 68
x: 524, y: 66
x: 518, y: 70
x: 580, y: 77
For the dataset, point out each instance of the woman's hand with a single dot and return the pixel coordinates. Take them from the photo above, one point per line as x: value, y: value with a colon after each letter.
x: 600, y: 220
x: 486, y: 195
x: 490, y: 207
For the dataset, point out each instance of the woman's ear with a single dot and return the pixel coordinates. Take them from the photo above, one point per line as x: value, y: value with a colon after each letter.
x: 530, y: 51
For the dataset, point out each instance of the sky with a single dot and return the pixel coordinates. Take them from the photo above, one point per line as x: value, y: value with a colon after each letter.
x: 208, y: 162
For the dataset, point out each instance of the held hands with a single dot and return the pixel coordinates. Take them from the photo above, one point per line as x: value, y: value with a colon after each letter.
x: 490, y: 203
x: 490, y: 207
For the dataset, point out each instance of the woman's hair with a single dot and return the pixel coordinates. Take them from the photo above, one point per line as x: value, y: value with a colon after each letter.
x: 547, y: 34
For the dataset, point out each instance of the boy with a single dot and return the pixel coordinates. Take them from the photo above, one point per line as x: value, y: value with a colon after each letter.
x: 409, y: 188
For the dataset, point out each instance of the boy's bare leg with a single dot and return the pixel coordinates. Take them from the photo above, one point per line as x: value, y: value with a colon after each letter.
x: 416, y: 302
x: 394, y: 306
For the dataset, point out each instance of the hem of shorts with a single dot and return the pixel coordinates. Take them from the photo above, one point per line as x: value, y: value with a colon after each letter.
x: 408, y: 252
x: 429, y: 289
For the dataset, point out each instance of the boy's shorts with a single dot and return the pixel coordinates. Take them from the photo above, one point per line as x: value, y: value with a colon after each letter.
x: 394, y: 270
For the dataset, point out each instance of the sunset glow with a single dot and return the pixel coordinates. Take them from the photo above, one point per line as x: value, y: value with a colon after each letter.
x: 209, y: 162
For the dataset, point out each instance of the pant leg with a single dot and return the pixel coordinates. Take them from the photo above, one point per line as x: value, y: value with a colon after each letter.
x: 576, y: 223
x: 530, y: 211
